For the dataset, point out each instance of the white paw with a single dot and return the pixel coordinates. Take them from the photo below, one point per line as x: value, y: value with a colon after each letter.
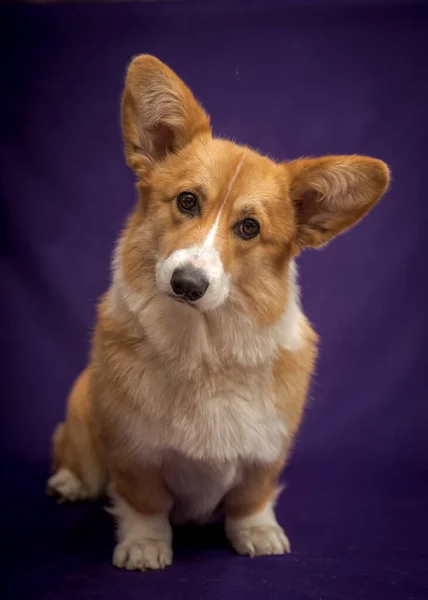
x: 66, y: 486
x: 260, y: 540
x: 142, y: 555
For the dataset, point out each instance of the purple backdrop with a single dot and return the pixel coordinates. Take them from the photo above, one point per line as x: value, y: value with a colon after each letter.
x: 309, y: 78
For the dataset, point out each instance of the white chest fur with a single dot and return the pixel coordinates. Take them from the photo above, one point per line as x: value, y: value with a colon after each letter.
x: 217, y: 418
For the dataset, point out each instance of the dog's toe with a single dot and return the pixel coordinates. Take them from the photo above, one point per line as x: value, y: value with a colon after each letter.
x: 261, y: 541
x: 142, y: 555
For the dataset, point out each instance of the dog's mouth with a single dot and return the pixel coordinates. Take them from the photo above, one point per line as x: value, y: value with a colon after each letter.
x: 182, y: 300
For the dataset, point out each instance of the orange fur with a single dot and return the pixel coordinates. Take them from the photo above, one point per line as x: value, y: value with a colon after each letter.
x: 173, y: 389
x: 76, y: 443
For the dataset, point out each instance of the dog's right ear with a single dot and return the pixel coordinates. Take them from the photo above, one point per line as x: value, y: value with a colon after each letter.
x: 159, y: 114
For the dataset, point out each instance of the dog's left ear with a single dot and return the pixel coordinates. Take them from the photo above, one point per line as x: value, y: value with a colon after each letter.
x: 332, y: 193
x: 159, y: 114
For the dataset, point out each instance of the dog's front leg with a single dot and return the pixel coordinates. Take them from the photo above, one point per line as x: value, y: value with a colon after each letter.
x: 251, y: 524
x: 141, y: 506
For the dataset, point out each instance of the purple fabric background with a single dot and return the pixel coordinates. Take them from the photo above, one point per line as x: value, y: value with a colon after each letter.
x: 289, y: 79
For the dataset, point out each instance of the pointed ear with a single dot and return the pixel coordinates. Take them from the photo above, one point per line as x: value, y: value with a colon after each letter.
x: 159, y: 114
x: 332, y: 193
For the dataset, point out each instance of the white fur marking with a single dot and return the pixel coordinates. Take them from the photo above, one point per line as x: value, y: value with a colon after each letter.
x: 144, y: 541
x: 258, y: 534
x: 289, y: 328
x: 204, y: 257
x: 209, y: 240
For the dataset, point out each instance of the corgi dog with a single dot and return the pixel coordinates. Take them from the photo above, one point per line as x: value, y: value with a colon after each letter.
x: 202, y: 357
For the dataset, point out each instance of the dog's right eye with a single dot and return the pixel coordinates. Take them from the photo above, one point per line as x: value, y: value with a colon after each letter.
x: 188, y: 204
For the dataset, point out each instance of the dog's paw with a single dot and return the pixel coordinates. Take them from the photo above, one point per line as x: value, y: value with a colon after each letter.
x: 142, y: 555
x: 65, y: 486
x: 260, y: 540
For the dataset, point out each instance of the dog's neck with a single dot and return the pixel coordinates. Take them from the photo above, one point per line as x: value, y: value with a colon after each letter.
x: 187, y: 339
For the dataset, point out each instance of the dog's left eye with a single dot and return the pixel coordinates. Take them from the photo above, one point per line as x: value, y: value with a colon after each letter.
x: 248, y: 229
x: 188, y: 204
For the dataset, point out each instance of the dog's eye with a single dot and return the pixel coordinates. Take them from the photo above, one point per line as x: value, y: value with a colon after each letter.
x: 247, y: 229
x: 188, y: 204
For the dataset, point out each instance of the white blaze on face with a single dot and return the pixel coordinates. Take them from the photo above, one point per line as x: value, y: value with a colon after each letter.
x: 203, y: 256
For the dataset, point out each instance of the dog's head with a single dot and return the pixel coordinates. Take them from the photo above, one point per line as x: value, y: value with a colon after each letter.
x: 216, y: 222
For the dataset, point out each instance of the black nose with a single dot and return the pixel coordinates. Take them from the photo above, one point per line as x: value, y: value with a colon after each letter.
x: 189, y: 282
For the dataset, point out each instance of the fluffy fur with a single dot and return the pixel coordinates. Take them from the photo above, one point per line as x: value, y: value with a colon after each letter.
x: 188, y: 409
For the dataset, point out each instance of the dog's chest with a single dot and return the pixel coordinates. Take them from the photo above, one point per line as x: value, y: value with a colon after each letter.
x: 218, y: 419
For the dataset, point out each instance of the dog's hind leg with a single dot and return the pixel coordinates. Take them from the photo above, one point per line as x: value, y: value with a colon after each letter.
x: 78, y: 469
